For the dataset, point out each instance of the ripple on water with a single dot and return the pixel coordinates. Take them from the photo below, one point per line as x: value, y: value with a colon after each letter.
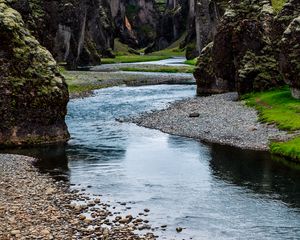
x: 213, y: 192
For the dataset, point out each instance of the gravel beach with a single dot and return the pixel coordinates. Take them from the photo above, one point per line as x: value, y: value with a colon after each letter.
x: 34, y: 206
x: 215, y: 119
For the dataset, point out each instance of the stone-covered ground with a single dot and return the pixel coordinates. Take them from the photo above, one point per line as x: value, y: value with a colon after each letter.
x: 34, y: 206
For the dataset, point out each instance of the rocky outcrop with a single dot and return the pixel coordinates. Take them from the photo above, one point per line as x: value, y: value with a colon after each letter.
x: 242, y: 57
x: 33, y: 94
x: 172, y: 24
x: 203, y: 26
x: 290, y: 57
x: 135, y: 21
x: 74, y: 31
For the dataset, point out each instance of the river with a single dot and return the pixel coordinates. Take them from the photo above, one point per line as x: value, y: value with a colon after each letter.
x: 211, y: 191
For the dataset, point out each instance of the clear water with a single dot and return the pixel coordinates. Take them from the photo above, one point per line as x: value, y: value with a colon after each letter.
x: 213, y: 192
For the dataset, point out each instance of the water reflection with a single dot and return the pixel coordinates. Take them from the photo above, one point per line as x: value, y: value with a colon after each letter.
x: 51, y: 159
x: 256, y: 171
x: 216, y: 192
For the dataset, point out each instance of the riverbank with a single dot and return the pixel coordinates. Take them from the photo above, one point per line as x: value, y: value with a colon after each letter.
x: 280, y: 108
x: 215, y: 119
x: 168, y: 71
x: 34, y: 206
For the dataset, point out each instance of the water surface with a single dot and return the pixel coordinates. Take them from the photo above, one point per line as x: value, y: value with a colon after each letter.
x: 214, y: 192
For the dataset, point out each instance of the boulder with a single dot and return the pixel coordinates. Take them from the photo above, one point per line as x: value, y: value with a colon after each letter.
x: 241, y: 57
x: 33, y: 94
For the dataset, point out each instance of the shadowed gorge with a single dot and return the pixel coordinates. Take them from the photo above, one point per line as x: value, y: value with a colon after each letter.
x: 150, y: 119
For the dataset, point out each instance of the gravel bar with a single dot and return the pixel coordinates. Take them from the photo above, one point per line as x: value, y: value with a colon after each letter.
x: 215, y: 119
x: 34, y: 206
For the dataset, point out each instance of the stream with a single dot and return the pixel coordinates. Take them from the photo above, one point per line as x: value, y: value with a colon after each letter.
x: 211, y: 191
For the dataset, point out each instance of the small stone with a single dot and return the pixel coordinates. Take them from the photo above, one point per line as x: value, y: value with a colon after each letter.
x: 15, y: 232
x: 50, y: 191
x: 178, y: 229
x: 45, y: 232
x: 146, y: 210
x: 194, y: 115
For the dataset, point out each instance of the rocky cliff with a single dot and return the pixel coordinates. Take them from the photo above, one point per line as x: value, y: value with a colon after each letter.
x: 77, y: 32
x: 33, y: 94
x: 244, y: 54
x: 135, y: 21
x: 203, y: 24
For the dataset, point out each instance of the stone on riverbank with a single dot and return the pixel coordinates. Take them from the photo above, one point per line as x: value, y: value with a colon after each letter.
x: 222, y: 120
x: 27, y: 213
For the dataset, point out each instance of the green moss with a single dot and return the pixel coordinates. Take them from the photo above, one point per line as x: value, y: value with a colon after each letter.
x: 278, y: 4
x: 192, y: 62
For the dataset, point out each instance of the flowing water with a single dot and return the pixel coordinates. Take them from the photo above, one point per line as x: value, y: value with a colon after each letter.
x: 213, y: 192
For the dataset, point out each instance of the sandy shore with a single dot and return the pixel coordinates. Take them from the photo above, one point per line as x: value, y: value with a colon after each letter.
x: 34, y: 206
x: 215, y: 119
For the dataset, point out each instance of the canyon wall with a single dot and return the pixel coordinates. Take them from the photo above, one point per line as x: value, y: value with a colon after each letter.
x: 245, y: 52
x: 74, y: 31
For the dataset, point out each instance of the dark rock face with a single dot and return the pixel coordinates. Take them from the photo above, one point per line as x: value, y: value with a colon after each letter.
x: 290, y: 57
x: 33, y: 94
x: 135, y: 21
x: 203, y: 24
x: 172, y: 24
x: 241, y: 57
x: 74, y: 31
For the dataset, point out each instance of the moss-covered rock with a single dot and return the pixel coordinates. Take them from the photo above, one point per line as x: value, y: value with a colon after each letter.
x: 33, y: 94
x: 243, y: 57
x: 290, y: 56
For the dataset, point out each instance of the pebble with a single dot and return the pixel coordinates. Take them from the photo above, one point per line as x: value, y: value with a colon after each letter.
x: 223, y: 120
x: 45, y: 209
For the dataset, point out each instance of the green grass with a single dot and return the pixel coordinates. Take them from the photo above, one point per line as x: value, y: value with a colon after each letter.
x: 289, y: 149
x: 278, y: 4
x: 277, y: 107
x: 168, y: 53
x: 192, y: 62
x: 81, y: 88
x: 164, y: 69
x: 280, y: 108
x: 133, y: 58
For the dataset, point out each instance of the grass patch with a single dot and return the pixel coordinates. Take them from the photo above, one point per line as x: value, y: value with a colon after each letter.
x: 163, y: 69
x: 277, y: 106
x: 82, y: 88
x: 289, y: 149
x: 280, y: 108
x: 278, y: 4
x: 169, y: 52
x: 132, y: 59
x: 191, y: 62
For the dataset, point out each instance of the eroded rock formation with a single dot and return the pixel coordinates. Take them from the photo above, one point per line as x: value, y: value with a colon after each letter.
x: 290, y: 57
x: 33, y: 94
x: 172, y: 24
x: 135, y: 21
x: 78, y: 32
x: 242, y: 57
